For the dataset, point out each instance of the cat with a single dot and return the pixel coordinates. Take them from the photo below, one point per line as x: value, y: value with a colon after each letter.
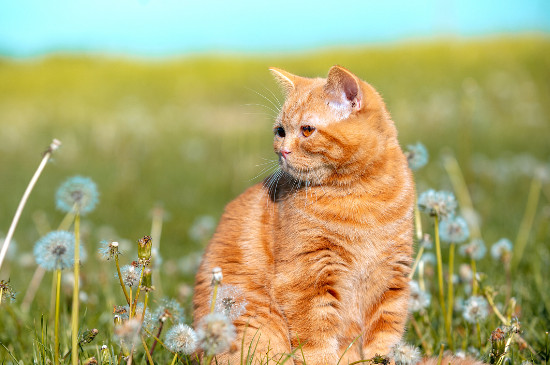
x: 321, y: 250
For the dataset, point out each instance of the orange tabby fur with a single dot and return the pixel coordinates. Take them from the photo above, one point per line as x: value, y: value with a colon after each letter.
x: 323, y: 250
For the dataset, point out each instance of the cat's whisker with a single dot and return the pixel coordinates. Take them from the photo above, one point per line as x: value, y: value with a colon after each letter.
x: 270, y: 168
x: 275, y: 111
x: 275, y: 96
x: 278, y: 107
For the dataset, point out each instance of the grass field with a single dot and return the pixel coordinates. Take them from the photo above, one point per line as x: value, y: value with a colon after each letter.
x: 190, y: 134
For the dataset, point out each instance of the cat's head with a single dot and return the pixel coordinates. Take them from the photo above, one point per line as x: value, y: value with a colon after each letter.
x: 329, y: 130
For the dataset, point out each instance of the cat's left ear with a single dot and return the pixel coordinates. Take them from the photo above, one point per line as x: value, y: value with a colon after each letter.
x: 344, y: 88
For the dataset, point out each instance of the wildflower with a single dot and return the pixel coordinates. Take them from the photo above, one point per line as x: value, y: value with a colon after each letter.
x: 418, y: 299
x: 475, y: 309
x: 109, y: 250
x: 79, y: 191
x: 130, y: 275
x: 426, y: 241
x: 215, y: 333
x: 202, y: 228
x: 55, y: 251
x: 405, y: 354
x: 475, y: 249
x: 502, y: 249
x: 181, y: 338
x: 144, y: 248
x: 169, y: 308
x: 437, y: 203
x: 6, y: 291
x: 454, y: 229
x: 230, y: 301
x: 417, y: 156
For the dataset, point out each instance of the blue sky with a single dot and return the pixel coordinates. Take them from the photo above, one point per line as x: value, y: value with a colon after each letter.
x: 172, y: 27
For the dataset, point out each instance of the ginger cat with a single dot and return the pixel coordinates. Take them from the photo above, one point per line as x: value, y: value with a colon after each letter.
x: 322, y: 249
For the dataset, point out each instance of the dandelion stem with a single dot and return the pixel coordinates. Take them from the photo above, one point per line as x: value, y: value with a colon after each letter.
x: 1, y: 294
x: 156, y: 231
x: 174, y: 359
x: 440, y: 356
x: 495, y: 309
x: 417, y: 221
x: 76, y: 289
x: 478, y: 331
x: 133, y: 307
x: 53, y: 146
x: 214, y: 295
x: 161, y: 325
x: 208, y: 359
x: 56, y: 326
x: 416, y: 261
x: 450, y: 298
x: 474, y: 277
x: 440, y: 270
x: 149, y: 358
x: 122, y: 282
x: 527, y: 221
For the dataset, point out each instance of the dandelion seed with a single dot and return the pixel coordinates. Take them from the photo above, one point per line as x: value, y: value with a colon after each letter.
x: 109, y: 250
x: 230, y: 301
x: 475, y: 309
x: 55, y: 251
x: 215, y: 333
x: 418, y: 299
x: 454, y: 229
x: 8, y: 294
x: 475, y: 249
x: 217, y: 276
x: 130, y: 275
x: 437, y: 203
x: 417, y: 156
x: 78, y: 190
x: 181, y: 338
x: 502, y: 249
x: 169, y: 308
x: 202, y: 228
x: 405, y: 354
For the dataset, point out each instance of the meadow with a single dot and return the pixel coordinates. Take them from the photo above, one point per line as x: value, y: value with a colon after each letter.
x: 173, y: 141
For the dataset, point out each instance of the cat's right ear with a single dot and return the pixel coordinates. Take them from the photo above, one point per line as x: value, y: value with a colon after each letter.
x: 285, y: 79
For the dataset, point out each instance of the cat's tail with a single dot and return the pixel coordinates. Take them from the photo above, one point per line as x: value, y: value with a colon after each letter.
x: 449, y: 359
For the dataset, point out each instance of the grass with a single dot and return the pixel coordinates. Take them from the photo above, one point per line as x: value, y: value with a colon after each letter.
x: 181, y: 134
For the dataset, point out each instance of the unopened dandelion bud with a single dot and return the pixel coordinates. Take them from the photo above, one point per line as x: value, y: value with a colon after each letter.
x: 147, y: 282
x: 144, y: 248
x: 88, y: 336
x: 117, y: 320
x: 6, y: 292
x: 217, y: 276
x: 91, y: 361
x: 105, y: 355
x: 498, y: 344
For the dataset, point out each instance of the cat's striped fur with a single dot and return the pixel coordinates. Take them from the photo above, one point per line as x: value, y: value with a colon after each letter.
x: 322, y: 250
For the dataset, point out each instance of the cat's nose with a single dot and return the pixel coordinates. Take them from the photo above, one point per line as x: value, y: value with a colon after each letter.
x: 285, y: 153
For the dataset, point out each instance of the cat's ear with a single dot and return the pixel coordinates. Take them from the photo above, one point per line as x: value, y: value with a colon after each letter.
x: 344, y: 88
x: 285, y: 79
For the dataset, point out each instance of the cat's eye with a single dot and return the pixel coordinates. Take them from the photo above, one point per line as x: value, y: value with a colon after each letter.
x: 307, y: 130
x: 280, y: 131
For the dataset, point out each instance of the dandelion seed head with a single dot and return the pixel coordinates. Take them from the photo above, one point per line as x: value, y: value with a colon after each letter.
x: 181, y: 338
x: 55, y: 251
x: 128, y: 332
x: 130, y: 275
x: 230, y: 301
x: 454, y: 229
x: 437, y: 203
x: 78, y: 190
x: 405, y: 354
x: 475, y: 309
x: 217, y: 276
x: 215, y: 333
x: 502, y: 249
x: 475, y: 250
x: 418, y: 299
x: 417, y: 156
x: 169, y: 308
